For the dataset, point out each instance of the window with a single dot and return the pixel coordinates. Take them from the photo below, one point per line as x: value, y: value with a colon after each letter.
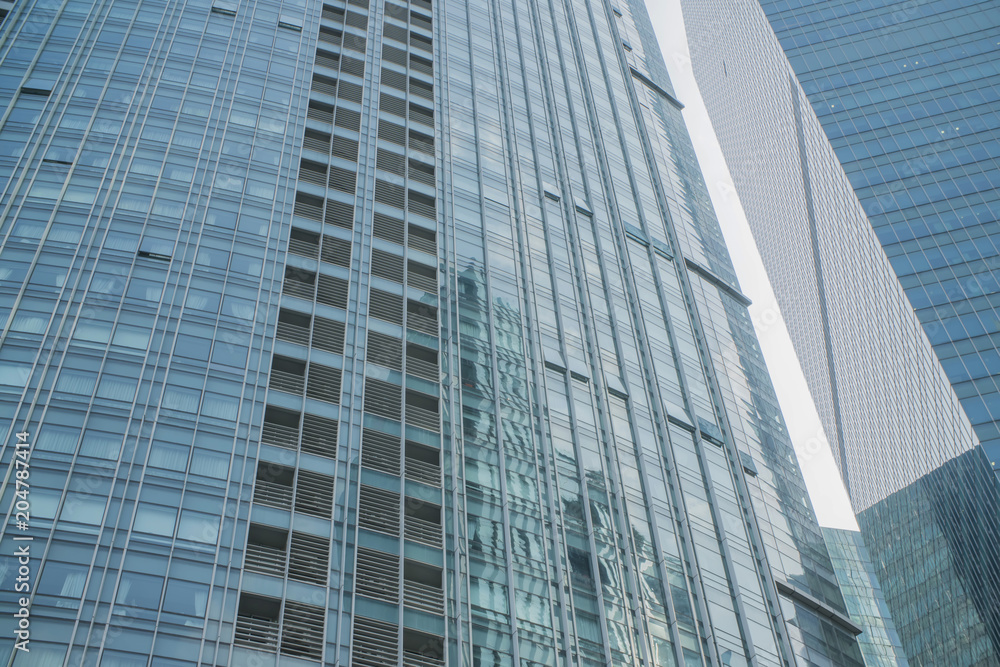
x: 155, y: 519
x: 257, y: 622
x: 139, y: 590
x: 63, y: 580
x: 265, y: 552
x: 422, y: 587
x: 184, y: 597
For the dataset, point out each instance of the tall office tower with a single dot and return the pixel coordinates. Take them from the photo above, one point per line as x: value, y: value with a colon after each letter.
x: 866, y: 604
x: 380, y: 333
x: 926, y: 498
x: 908, y: 96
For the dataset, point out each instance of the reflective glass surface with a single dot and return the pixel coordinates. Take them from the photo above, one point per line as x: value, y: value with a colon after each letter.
x: 859, y: 583
x: 379, y: 333
x: 908, y: 97
x: 906, y: 449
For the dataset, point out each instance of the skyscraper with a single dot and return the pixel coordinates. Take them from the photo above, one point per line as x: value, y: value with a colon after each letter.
x: 921, y: 484
x: 908, y: 96
x: 368, y: 334
x: 862, y: 591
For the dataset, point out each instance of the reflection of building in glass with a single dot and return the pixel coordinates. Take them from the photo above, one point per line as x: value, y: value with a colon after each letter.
x: 376, y: 334
x: 945, y: 519
x: 859, y: 583
x: 905, y: 447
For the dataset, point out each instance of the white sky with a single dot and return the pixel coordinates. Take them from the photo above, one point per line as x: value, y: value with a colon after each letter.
x: 822, y: 477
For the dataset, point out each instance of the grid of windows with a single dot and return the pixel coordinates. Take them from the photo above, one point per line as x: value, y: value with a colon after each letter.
x: 385, y: 333
x: 863, y: 595
x: 920, y: 482
x: 908, y: 100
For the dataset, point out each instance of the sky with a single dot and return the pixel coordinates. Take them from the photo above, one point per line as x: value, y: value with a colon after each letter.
x: 826, y: 489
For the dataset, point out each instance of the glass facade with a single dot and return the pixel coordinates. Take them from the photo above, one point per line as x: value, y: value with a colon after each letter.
x: 377, y: 334
x: 908, y: 97
x: 918, y: 478
x: 950, y: 519
x: 879, y: 642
